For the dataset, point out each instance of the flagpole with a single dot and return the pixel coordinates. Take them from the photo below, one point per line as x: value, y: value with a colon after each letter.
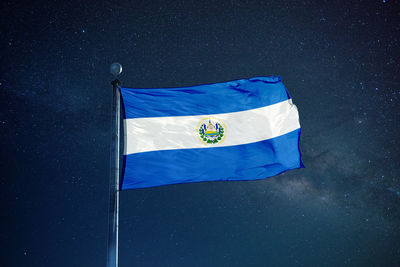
x: 113, y: 217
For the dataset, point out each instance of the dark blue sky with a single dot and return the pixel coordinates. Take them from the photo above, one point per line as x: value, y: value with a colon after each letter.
x: 338, y: 61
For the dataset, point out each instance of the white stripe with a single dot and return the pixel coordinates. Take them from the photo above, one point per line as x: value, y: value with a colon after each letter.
x: 180, y: 132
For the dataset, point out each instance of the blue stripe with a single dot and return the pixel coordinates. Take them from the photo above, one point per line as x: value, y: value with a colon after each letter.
x: 243, y: 162
x: 215, y: 98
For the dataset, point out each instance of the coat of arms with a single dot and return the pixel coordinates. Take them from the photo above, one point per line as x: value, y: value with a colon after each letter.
x: 211, y: 131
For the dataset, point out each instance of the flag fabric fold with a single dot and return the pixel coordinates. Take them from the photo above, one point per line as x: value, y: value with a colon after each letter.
x: 239, y: 130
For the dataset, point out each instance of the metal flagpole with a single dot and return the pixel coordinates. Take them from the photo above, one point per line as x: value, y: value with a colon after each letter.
x: 113, y: 217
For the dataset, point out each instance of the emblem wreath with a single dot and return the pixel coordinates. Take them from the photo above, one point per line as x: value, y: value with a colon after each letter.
x: 212, y: 140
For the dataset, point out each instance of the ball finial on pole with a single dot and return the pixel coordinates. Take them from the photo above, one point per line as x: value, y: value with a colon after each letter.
x: 115, y: 69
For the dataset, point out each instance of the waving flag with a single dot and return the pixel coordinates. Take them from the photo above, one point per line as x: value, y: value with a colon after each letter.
x: 239, y: 130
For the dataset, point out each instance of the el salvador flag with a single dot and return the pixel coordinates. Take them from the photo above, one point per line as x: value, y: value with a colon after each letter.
x: 239, y: 130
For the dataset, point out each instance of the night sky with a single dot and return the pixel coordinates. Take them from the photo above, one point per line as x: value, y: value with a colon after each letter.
x: 339, y: 63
